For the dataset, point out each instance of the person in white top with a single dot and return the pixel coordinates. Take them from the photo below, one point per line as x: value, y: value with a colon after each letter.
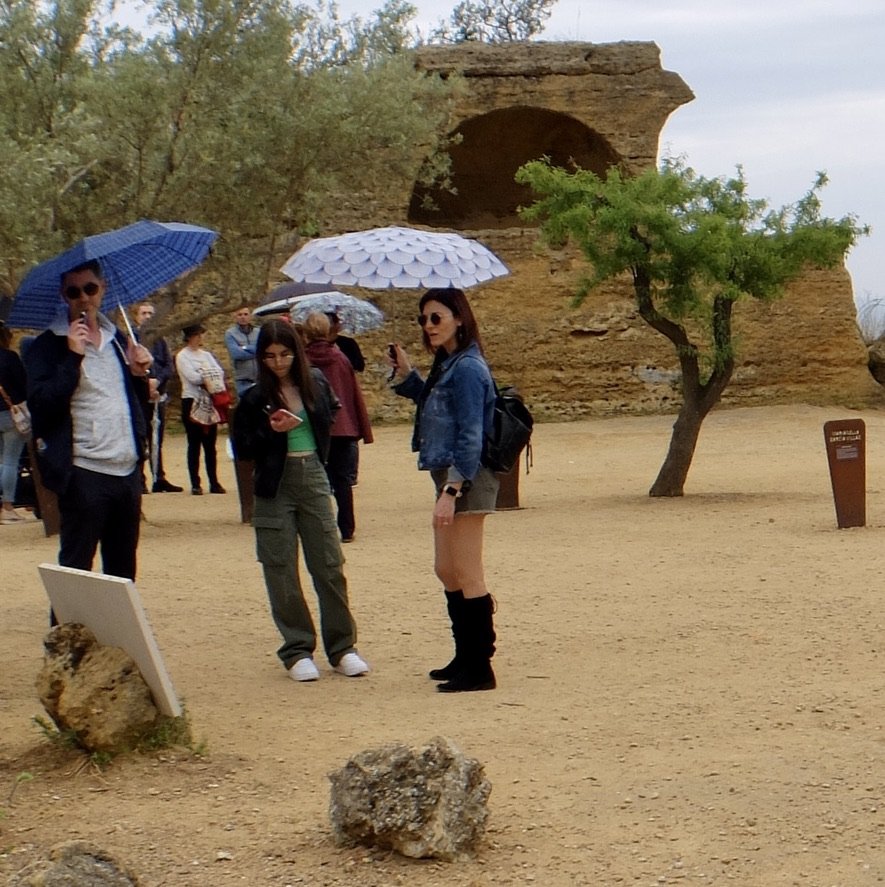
x: 193, y: 363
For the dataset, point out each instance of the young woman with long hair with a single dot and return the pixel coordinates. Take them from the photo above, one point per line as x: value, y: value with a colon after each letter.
x: 283, y: 425
x: 455, y: 409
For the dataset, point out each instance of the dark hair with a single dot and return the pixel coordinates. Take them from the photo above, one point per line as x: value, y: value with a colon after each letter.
x: 281, y: 332
x: 456, y: 302
x: 5, y: 335
x: 92, y: 265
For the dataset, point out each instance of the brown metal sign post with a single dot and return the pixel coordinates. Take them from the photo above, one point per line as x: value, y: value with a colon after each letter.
x: 846, y: 455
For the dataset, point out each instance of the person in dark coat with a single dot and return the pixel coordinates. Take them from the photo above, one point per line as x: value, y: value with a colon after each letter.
x: 12, y: 382
x: 161, y: 372
x: 349, y: 347
x: 87, y: 386
x: 351, y: 422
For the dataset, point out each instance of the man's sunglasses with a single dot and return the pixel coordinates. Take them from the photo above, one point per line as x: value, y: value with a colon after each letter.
x: 424, y: 319
x: 73, y: 292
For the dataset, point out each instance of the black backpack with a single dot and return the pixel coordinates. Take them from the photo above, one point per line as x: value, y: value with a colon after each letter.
x: 511, y: 432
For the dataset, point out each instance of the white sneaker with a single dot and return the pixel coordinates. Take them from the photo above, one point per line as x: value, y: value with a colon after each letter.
x: 304, y: 670
x: 352, y: 665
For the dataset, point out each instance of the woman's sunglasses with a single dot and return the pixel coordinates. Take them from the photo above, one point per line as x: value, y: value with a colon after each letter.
x: 435, y: 319
x: 73, y: 292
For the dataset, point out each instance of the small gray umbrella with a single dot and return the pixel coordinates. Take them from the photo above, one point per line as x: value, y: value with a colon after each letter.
x: 356, y: 315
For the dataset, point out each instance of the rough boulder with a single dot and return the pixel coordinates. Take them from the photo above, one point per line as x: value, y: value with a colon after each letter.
x: 94, y: 692
x: 428, y: 802
x: 75, y: 864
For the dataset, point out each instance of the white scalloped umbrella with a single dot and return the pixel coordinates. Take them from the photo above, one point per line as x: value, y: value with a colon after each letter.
x: 392, y: 257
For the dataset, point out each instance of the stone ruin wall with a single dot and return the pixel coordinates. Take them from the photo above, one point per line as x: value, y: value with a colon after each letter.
x: 599, y: 358
x: 598, y: 103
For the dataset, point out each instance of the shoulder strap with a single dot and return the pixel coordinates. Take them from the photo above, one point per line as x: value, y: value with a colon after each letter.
x: 6, y: 397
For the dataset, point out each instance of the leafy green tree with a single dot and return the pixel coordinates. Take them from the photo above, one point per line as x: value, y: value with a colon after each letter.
x: 693, y: 247
x: 501, y: 21
x: 249, y: 116
x: 40, y: 141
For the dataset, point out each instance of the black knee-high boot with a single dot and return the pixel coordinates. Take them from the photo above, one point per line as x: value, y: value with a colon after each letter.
x: 479, y: 647
x: 454, y: 603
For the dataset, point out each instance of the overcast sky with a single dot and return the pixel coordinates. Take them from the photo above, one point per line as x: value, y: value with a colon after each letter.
x: 782, y: 87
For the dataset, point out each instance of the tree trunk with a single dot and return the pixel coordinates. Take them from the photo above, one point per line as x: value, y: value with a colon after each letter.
x: 698, y: 398
x: 686, y: 429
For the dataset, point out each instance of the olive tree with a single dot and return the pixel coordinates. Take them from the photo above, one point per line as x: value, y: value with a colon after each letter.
x: 502, y: 21
x: 692, y: 247
x: 248, y: 116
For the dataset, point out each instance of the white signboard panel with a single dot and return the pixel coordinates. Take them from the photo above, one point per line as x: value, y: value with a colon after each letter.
x: 110, y: 608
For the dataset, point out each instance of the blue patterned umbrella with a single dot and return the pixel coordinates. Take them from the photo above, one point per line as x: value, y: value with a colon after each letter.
x: 136, y: 260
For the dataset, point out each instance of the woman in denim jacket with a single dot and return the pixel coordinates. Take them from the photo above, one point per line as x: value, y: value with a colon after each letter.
x: 455, y: 409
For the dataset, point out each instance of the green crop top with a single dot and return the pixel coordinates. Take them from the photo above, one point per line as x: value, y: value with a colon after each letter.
x: 301, y: 438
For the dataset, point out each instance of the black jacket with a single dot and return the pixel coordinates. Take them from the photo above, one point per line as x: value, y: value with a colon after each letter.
x: 256, y: 441
x: 53, y: 373
x: 12, y: 377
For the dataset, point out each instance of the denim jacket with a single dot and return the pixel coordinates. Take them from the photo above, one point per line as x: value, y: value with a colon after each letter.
x: 453, y: 415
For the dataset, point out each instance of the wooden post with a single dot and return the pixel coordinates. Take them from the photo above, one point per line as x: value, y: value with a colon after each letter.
x: 47, y: 501
x: 245, y: 488
x: 846, y: 454
x: 508, y: 490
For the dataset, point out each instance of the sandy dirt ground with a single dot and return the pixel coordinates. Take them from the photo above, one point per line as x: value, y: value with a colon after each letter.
x: 691, y: 691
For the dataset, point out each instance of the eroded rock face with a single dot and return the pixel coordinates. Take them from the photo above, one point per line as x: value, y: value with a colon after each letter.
x: 95, y: 692
x: 76, y: 864
x: 429, y: 802
x: 876, y: 360
x: 598, y: 104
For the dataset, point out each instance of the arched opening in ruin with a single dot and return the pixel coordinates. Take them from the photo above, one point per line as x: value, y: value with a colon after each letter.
x: 491, y: 148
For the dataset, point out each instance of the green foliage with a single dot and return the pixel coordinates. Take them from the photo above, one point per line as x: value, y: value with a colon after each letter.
x: 22, y: 777
x: 167, y: 732
x: 502, y: 21
x: 65, y: 739
x: 243, y: 115
x: 692, y: 245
